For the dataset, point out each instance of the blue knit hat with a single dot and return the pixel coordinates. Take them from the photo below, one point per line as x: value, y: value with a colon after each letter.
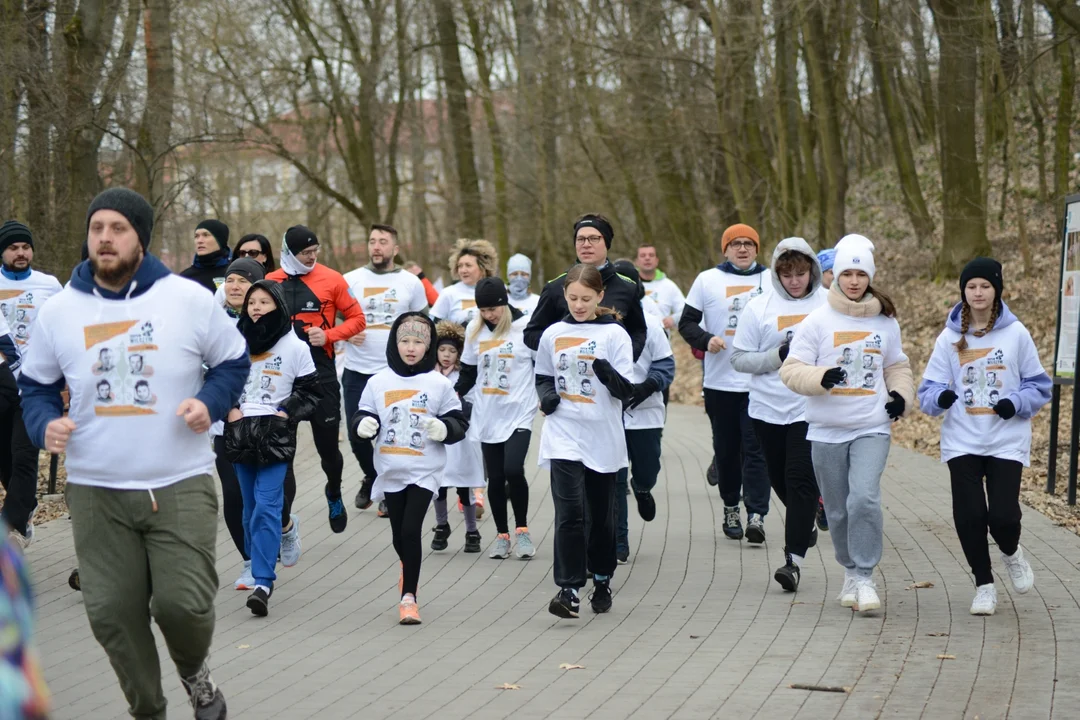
x: 826, y: 257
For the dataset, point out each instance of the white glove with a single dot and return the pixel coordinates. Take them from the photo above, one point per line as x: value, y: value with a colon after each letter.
x: 367, y: 428
x: 436, y: 429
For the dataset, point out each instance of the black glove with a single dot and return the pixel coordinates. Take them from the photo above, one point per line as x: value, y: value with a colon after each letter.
x: 784, y: 351
x: 643, y: 391
x: 896, y: 406
x: 946, y: 399
x: 1005, y: 409
x: 549, y: 402
x: 603, y: 370
x: 833, y: 376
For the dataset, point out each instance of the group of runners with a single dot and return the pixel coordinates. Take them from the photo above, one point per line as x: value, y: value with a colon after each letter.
x: 148, y: 380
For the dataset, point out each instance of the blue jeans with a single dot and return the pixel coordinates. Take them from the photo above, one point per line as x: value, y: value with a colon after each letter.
x: 263, y: 490
x: 643, y: 451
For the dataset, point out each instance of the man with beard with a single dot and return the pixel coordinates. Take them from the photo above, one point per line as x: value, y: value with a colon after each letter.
x: 24, y: 290
x: 315, y: 295
x: 142, y: 500
x: 390, y: 287
x: 212, y: 255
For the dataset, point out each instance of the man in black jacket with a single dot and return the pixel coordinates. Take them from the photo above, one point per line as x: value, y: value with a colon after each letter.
x: 592, y: 240
x: 212, y: 255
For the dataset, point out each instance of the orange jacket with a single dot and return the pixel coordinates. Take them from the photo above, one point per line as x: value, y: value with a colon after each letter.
x: 429, y: 290
x: 316, y: 299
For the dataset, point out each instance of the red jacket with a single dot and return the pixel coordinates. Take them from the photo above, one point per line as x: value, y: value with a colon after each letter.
x: 316, y: 299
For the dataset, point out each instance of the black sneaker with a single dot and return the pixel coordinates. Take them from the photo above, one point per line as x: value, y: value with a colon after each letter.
x: 822, y: 520
x: 813, y: 538
x: 622, y: 556
x: 600, y: 597
x: 788, y: 574
x: 258, y: 602
x: 338, y: 517
x: 205, y: 695
x: 565, y: 605
x: 755, y: 529
x: 439, y: 541
x: 73, y: 581
x: 363, y: 497
x: 646, y: 505
x: 711, y: 475
x: 732, y: 522
x: 472, y: 541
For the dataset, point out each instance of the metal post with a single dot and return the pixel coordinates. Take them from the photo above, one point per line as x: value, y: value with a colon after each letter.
x: 1074, y: 433
x: 1051, y: 465
x: 54, y: 467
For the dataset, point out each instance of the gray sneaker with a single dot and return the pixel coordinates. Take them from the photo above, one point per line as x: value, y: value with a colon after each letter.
x: 205, y: 695
x: 290, y: 544
x: 525, y: 548
x: 755, y: 528
x: 501, y: 549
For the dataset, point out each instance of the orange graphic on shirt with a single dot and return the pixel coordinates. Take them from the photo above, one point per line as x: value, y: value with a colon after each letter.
x: 494, y: 391
x: 576, y: 398
x: 261, y: 356
x: 979, y: 411
x: 486, y: 345
x: 847, y: 337
x: 970, y: 355
x: 122, y: 410
x: 389, y: 450
x: 783, y: 322
x: 8, y: 294
x: 94, y: 334
x: 368, y: 292
x: 565, y: 343
x: 851, y: 391
x: 733, y: 290
x: 468, y: 304
x: 393, y: 397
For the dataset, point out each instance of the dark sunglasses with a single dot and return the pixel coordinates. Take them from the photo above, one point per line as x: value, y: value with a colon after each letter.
x: 248, y: 253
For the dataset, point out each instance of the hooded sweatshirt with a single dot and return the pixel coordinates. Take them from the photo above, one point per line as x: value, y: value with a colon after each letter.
x: 129, y: 359
x: 1003, y: 363
x: 404, y: 454
x: 768, y: 322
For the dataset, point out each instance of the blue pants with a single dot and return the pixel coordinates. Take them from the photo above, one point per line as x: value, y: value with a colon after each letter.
x: 740, y: 463
x: 263, y: 489
x: 643, y: 451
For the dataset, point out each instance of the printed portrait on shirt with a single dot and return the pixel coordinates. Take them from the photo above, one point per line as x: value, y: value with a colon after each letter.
x: 788, y: 336
x: 391, y: 436
x: 22, y: 331
x: 120, y: 355
x: 416, y: 441
x: 564, y: 363
x: 736, y: 305
x: 504, y: 382
x: 575, y: 382
x: 143, y: 395
x: 403, y: 432
x: 969, y: 397
x: 105, y: 362
x: 860, y: 362
x: 104, y: 392
x: 983, y: 376
x: 586, y: 388
x: 414, y: 420
x: 970, y: 375
x: 868, y: 381
x: 991, y: 379
x: 995, y: 397
x: 561, y: 383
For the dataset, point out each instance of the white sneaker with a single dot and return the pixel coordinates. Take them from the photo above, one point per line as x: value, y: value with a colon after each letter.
x: 985, y: 601
x: 246, y: 581
x: 22, y: 541
x: 866, y: 597
x: 290, y: 543
x: 847, y: 594
x: 1019, y: 570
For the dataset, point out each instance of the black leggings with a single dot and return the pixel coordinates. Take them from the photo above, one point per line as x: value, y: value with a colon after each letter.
x: 505, y: 463
x: 791, y: 473
x: 18, y: 470
x: 407, y: 509
x: 232, y: 503
x: 326, y: 422
x: 974, y: 515
x: 463, y: 495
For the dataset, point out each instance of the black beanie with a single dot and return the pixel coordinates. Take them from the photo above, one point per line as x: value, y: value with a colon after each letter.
x: 627, y: 270
x: 131, y: 205
x: 491, y: 292
x: 987, y: 269
x: 298, y: 238
x: 218, y: 229
x: 598, y: 223
x: 12, y: 232
x: 253, y: 270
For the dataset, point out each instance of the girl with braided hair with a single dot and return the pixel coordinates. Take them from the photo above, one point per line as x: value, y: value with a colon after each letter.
x: 988, y: 436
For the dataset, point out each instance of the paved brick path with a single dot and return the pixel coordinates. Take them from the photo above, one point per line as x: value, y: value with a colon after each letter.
x: 699, y: 628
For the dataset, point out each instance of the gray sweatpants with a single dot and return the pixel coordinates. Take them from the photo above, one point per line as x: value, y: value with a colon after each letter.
x: 849, y: 475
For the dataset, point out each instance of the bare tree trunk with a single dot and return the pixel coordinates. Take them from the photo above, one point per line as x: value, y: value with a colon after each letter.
x: 1066, y: 11
x: 156, y: 125
x: 528, y: 62
x: 959, y: 27
x: 787, y: 115
x: 460, y: 121
x: 11, y: 60
x: 418, y: 205
x: 39, y: 113
x: 1034, y: 101
x: 922, y: 71
x: 880, y: 53
x: 1065, y: 117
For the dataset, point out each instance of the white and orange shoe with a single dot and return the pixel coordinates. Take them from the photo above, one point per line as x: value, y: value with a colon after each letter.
x: 408, y: 611
x: 478, y: 501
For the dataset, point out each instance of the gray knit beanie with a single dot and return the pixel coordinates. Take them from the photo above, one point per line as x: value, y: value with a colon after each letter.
x: 131, y: 205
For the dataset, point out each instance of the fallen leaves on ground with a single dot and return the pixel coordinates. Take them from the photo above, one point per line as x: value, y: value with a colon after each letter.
x: 921, y: 585
x: 570, y: 666
x: 507, y: 686
x: 937, y: 634
x: 946, y: 657
x: 820, y: 688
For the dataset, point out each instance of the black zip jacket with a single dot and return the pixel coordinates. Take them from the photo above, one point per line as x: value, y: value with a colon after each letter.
x: 271, y: 439
x: 620, y: 294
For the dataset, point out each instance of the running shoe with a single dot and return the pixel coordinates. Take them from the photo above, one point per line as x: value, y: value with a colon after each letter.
x: 711, y: 475
x: 523, y: 547
x: 383, y: 512
x: 755, y: 529
x: 338, y: 517
x: 646, y: 505
x: 732, y: 522
x: 821, y: 519
x: 788, y: 574
x: 205, y: 695
x: 363, y: 496
x: 246, y: 581
x: 439, y: 539
x: 1019, y: 570
x: 565, y: 604
x: 985, y: 602
x: 73, y: 581
x: 847, y: 593
x: 472, y: 542
x: 478, y: 501
x: 600, y: 597
x: 622, y: 556
x: 258, y: 602
x: 501, y: 549
x: 866, y: 597
x: 290, y: 543
x: 813, y: 537
x: 408, y: 611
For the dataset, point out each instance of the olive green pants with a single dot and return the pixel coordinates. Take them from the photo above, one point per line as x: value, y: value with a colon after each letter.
x: 134, y: 564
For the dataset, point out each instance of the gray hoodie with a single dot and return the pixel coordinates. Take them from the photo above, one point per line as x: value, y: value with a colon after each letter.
x: 757, y: 363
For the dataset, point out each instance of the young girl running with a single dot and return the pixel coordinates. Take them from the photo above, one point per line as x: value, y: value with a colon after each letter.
x: 847, y: 357
x: 985, y: 349
x: 409, y: 454
x: 761, y: 345
x: 260, y: 435
x: 498, y: 364
x: 582, y: 363
x: 464, y: 463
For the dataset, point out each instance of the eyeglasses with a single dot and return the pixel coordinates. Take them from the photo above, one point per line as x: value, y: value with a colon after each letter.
x: 742, y: 245
x: 589, y: 240
x: 311, y: 252
x: 248, y: 253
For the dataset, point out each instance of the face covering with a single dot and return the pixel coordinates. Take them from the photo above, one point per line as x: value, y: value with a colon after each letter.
x: 519, y: 287
x: 291, y: 264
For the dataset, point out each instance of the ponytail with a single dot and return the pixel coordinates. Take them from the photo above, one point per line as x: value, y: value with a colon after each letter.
x: 601, y: 310
x: 965, y: 322
x: 888, y: 307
